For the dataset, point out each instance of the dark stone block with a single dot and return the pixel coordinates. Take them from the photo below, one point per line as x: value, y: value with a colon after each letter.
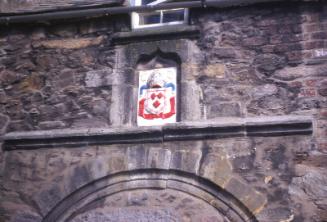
x: 80, y: 176
x: 129, y: 214
x: 136, y: 157
x: 3, y: 97
x: 223, y: 110
x: 4, y: 121
x: 46, y: 62
x: 269, y: 105
x: 322, y: 89
x: 8, y: 77
x: 264, y: 91
x: 307, y: 104
x: 224, y: 53
x: 65, y: 78
x: 237, y: 188
x: 268, y: 63
x: 15, y: 126
x: 26, y: 217
x: 137, y: 200
x: 158, y: 158
x: 51, y: 125
x: 279, y: 195
x: 176, y: 160
x: 64, y: 30
x: 243, y: 163
x: 255, y: 41
x: 277, y: 156
x: 47, y: 199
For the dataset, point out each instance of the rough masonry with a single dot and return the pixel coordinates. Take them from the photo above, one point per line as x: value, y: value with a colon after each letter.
x: 250, y: 144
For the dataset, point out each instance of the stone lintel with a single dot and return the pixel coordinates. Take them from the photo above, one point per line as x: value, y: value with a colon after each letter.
x: 217, y: 128
x: 156, y: 33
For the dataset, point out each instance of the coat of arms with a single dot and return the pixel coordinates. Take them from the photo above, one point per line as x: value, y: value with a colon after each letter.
x: 157, y: 97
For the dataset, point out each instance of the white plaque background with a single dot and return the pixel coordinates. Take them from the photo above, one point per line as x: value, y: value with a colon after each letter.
x: 168, y: 76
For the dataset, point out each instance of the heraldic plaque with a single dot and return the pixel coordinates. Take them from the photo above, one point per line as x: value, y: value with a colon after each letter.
x: 157, y: 97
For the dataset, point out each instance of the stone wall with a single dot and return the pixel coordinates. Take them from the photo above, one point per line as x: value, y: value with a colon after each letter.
x: 256, y: 61
x: 257, y: 171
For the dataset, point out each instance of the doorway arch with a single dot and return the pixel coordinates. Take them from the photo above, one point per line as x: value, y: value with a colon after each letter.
x: 93, y: 200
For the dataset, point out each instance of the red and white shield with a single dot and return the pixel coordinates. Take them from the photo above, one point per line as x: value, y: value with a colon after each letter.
x: 156, y: 97
x: 155, y: 101
x: 157, y: 104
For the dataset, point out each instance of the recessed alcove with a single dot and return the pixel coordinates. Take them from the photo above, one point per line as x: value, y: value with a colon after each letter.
x: 158, y: 89
x: 137, y: 56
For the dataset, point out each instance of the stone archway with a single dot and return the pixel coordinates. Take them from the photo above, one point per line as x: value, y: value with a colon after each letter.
x: 150, y: 205
x: 150, y: 195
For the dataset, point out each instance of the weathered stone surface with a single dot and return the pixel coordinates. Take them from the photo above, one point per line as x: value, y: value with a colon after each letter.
x: 298, y: 72
x: 254, y: 200
x: 258, y: 61
x: 8, y: 77
x: 70, y: 43
x: 4, y: 121
x: 65, y: 30
x: 215, y: 70
x: 159, y: 158
x: 308, y: 188
x: 3, y: 97
x: 129, y: 215
x: 187, y: 161
x: 169, y: 206
x: 313, y: 183
x: 215, y: 167
x: 51, y: 125
x: 32, y: 83
x: 268, y: 63
x: 277, y: 214
x: 47, y: 199
x: 242, y: 155
x: 269, y: 99
x: 27, y: 217
x: 322, y: 89
x: 191, y: 70
x: 220, y: 128
x: 136, y: 157
x: 98, y: 78
x: 89, y: 122
x: 223, y: 110
x: 192, y: 93
x: 265, y: 90
x: 79, y: 177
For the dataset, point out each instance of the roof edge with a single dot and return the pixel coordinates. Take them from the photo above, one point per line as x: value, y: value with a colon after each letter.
x: 41, y: 17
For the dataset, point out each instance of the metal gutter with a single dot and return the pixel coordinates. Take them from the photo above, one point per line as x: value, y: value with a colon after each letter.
x: 106, y: 11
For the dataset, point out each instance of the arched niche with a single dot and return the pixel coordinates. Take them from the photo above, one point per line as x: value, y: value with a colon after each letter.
x: 132, y: 56
x: 158, y: 91
x: 150, y: 195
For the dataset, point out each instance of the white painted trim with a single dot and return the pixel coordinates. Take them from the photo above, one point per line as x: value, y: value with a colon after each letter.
x: 136, y: 21
x: 157, y: 2
x: 135, y: 17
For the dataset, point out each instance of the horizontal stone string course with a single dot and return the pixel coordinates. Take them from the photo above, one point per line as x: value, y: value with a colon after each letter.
x: 235, y: 127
